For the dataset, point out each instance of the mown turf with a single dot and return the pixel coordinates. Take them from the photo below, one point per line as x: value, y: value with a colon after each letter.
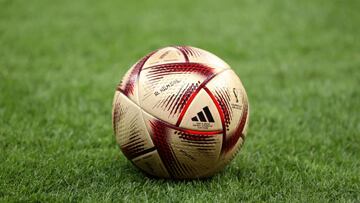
x: 61, y: 60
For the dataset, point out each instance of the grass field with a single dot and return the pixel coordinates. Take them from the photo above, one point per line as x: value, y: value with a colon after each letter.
x: 61, y: 60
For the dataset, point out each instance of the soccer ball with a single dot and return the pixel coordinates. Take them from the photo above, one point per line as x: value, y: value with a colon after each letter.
x: 180, y: 112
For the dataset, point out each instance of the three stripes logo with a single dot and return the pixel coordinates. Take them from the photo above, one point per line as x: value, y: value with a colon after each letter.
x: 207, y: 117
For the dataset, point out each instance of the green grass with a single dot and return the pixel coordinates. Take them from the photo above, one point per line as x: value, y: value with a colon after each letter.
x: 61, y: 60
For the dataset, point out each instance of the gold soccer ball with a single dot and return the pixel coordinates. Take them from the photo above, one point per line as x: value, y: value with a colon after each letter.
x: 180, y: 112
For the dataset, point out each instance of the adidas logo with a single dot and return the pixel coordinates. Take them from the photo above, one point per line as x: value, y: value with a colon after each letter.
x: 207, y: 117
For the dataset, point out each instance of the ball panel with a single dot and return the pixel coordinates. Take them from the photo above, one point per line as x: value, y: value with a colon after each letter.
x: 164, y: 56
x: 160, y: 135
x: 197, y: 55
x: 115, y: 110
x: 130, y: 131
x: 202, y: 114
x: 185, y: 153
x: 197, y: 153
x: 129, y: 85
x: 231, y: 96
x: 151, y: 163
x: 165, y: 89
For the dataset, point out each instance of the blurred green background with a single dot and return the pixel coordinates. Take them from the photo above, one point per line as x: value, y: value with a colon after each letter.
x: 61, y: 60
